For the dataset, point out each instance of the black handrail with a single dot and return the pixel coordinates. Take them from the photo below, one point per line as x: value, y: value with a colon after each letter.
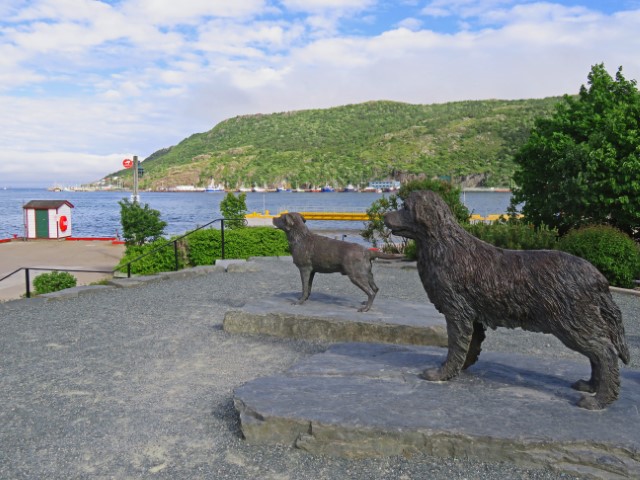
x: 128, y: 264
x: 47, y: 269
x: 175, y: 243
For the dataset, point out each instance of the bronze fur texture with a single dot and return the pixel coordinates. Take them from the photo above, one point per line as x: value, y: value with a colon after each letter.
x: 476, y: 285
x: 318, y: 254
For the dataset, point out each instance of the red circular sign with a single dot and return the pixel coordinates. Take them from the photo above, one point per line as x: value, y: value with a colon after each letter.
x: 64, y: 223
x: 127, y: 163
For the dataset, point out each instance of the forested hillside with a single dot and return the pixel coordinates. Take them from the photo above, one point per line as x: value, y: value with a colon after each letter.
x: 353, y: 144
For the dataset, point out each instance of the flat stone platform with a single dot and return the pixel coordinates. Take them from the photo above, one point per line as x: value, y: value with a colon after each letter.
x: 335, y: 319
x: 362, y: 399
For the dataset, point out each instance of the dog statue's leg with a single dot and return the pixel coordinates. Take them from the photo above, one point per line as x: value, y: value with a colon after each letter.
x: 306, y: 275
x: 588, y: 386
x: 367, y: 287
x: 475, y: 347
x: 459, y: 333
x: 605, y: 377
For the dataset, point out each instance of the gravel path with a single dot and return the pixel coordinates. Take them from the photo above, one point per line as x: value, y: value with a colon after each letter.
x: 138, y: 383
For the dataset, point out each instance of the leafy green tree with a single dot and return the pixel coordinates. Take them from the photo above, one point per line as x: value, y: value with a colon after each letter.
x: 449, y: 193
x: 582, y: 165
x: 234, y: 209
x: 140, y: 224
x: 375, y: 230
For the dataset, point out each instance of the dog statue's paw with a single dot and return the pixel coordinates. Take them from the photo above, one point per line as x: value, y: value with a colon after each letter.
x: 431, y: 374
x: 590, y: 403
x: 583, y: 386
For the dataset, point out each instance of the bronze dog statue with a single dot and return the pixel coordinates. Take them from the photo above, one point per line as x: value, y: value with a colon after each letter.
x: 476, y: 285
x: 317, y: 254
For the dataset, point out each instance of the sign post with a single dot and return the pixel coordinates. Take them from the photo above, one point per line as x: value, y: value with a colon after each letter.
x: 128, y: 163
x: 135, y: 197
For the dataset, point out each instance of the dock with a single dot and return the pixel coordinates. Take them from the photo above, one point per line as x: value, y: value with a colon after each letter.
x: 266, y: 218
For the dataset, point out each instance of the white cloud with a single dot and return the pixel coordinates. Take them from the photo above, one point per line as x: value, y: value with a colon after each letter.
x: 324, y: 5
x: 80, y: 79
x: 170, y: 12
x: 410, y: 23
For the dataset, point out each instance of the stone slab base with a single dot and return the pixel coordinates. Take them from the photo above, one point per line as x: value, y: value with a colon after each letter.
x: 359, y: 400
x: 329, y: 318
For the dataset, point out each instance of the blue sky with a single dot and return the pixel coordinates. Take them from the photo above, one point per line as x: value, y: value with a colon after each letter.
x: 84, y: 84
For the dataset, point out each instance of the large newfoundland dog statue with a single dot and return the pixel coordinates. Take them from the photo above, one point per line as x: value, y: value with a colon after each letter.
x: 476, y: 285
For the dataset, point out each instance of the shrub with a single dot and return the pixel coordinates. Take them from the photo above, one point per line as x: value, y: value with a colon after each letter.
x: 234, y: 209
x: 449, y: 193
x: 375, y: 231
x: 204, y: 247
x: 140, y: 224
x: 162, y: 260
x: 515, y: 235
x: 53, y: 282
x: 256, y: 242
x: 610, y: 250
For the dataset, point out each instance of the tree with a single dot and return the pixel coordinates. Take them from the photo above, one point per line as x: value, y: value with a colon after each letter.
x: 140, y: 224
x: 234, y: 209
x: 375, y: 230
x: 582, y: 165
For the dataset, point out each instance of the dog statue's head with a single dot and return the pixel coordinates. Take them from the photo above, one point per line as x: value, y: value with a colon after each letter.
x: 289, y: 222
x: 422, y: 210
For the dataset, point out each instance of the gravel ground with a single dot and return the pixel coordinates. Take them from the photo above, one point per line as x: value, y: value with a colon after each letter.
x: 138, y: 383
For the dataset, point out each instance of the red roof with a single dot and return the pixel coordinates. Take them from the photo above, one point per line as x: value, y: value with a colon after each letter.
x: 46, y: 204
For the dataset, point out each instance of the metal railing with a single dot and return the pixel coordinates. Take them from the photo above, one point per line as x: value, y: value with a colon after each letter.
x: 175, y: 243
x: 27, y: 275
x: 128, y: 264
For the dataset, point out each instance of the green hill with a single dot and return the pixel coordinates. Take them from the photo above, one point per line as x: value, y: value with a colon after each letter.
x: 353, y: 144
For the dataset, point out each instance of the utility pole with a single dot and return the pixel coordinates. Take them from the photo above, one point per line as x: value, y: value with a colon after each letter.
x: 135, y: 197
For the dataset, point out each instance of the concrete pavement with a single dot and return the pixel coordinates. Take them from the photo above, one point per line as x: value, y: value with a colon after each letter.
x: 77, y: 255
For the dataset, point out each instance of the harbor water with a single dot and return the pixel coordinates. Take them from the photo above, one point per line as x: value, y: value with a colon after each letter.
x: 97, y: 214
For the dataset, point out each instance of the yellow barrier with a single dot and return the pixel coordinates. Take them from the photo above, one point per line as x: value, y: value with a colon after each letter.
x: 353, y: 216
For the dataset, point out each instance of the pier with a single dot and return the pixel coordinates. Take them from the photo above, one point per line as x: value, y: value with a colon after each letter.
x: 256, y: 218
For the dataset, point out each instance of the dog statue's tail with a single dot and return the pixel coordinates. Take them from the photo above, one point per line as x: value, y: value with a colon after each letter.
x: 373, y: 253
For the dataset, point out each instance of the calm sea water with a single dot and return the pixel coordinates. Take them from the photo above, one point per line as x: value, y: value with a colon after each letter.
x: 97, y: 214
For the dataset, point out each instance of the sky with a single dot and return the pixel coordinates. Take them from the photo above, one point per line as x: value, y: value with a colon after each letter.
x: 87, y: 83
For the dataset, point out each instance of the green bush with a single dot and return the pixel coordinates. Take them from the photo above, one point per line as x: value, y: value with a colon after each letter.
x: 411, y: 250
x: 140, y: 224
x: 234, y: 209
x: 255, y: 242
x: 162, y: 260
x: 515, y: 235
x: 610, y: 250
x: 204, y: 247
x: 378, y: 234
x: 53, y: 282
x: 449, y: 193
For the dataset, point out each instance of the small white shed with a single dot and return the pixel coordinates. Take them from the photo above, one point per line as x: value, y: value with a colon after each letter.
x: 47, y: 218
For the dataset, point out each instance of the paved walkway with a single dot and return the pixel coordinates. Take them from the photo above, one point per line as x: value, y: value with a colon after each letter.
x: 139, y: 382
x: 80, y: 255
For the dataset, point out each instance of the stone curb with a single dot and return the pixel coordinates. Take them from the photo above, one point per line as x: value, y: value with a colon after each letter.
x: 321, y: 329
x: 75, y: 292
x: 626, y: 291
